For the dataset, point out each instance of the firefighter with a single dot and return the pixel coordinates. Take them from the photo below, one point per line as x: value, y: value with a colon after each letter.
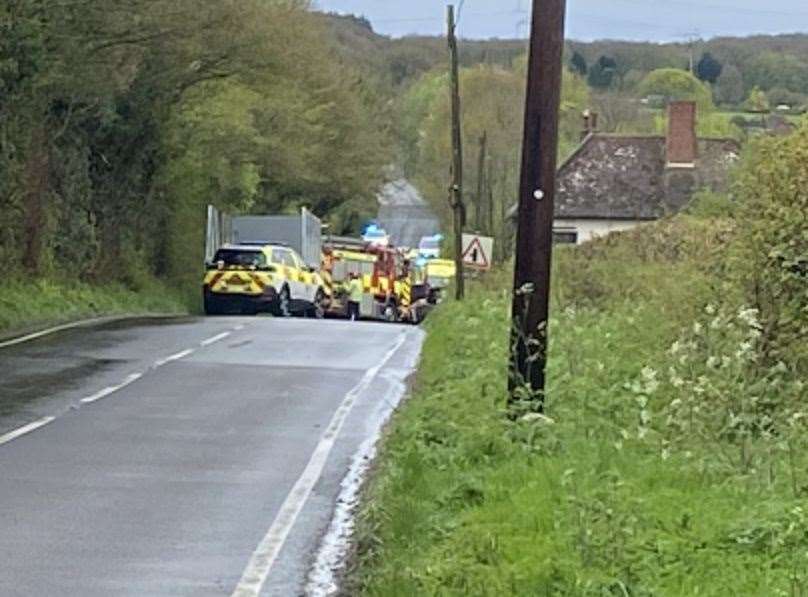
x: 355, y: 291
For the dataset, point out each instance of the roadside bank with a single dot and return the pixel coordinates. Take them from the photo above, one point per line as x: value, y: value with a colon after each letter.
x: 28, y: 307
x: 636, y: 482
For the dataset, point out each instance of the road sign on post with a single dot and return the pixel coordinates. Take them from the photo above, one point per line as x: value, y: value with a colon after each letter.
x: 478, y: 251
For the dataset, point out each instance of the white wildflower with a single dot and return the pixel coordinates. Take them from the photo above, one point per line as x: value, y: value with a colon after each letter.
x: 713, y: 362
x: 744, y: 350
x: 749, y: 317
x: 697, y: 328
x: 710, y: 309
x: 649, y: 374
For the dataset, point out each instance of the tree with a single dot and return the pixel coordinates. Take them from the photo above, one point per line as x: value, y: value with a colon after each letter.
x: 120, y: 120
x: 602, y: 73
x: 775, y: 69
x: 757, y: 101
x: 493, y: 105
x: 674, y: 84
x: 578, y: 64
x: 730, y: 86
x: 709, y: 69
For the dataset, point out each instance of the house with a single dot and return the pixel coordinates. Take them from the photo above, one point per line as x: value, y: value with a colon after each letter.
x: 616, y: 182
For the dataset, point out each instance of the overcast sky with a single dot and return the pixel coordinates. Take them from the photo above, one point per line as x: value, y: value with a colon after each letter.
x: 659, y: 20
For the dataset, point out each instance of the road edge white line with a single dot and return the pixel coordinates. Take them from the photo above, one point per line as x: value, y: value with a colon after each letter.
x: 112, y: 389
x: 215, y: 339
x: 263, y: 558
x: 25, y: 430
x: 174, y: 357
x: 82, y: 324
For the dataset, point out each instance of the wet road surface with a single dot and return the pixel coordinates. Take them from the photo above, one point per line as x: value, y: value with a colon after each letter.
x: 185, y: 457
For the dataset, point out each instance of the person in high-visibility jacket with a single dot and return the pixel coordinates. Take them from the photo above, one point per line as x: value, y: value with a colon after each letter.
x: 355, y: 291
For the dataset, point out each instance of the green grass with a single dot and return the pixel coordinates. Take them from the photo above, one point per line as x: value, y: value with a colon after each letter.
x: 608, y: 497
x: 26, y: 305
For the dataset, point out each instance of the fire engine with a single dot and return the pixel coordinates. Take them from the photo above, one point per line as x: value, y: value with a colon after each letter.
x: 387, y: 279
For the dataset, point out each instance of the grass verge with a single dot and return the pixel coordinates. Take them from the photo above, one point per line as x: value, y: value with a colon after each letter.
x: 650, y: 474
x: 27, y: 305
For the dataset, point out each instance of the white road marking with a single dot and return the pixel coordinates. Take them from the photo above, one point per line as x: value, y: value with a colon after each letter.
x: 25, y: 429
x: 12, y: 435
x: 216, y: 339
x: 257, y: 571
x: 174, y: 357
x: 239, y: 327
x: 81, y: 324
x: 112, y: 389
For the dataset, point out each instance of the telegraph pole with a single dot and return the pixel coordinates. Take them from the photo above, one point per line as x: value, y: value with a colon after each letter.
x: 534, y: 240
x: 456, y: 190
x: 482, y: 158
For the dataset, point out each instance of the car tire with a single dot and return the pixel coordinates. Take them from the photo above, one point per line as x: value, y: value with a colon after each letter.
x: 285, y: 303
x: 391, y: 313
x: 317, y: 310
x: 210, y: 306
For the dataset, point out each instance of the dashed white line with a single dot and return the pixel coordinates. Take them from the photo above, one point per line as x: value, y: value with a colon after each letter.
x: 216, y: 339
x: 25, y: 429
x: 257, y: 571
x: 239, y: 327
x: 112, y: 389
x: 174, y: 357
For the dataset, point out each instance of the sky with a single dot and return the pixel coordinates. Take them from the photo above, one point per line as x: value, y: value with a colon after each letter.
x: 644, y: 20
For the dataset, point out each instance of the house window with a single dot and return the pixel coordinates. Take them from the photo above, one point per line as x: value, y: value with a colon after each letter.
x: 565, y: 237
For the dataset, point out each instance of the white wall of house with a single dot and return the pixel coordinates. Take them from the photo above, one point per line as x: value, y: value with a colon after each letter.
x: 586, y: 230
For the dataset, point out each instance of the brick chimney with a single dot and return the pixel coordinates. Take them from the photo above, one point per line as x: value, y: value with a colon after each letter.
x: 682, y: 144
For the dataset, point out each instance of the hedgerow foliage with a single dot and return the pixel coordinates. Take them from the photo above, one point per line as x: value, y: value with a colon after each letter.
x: 672, y: 456
x: 120, y: 120
x: 772, y: 256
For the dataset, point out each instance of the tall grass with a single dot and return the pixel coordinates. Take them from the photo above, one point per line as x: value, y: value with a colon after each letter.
x: 662, y: 467
x: 36, y: 303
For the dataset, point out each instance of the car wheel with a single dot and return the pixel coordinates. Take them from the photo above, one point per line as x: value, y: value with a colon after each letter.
x: 285, y: 306
x: 391, y: 313
x: 317, y: 310
x: 210, y: 306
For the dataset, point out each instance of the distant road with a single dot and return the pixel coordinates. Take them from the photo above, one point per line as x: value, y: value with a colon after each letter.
x: 405, y: 214
x: 190, y: 457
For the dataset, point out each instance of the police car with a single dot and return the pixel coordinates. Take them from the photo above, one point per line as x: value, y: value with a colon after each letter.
x: 252, y: 279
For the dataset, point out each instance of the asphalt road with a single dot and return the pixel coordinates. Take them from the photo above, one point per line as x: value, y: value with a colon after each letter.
x: 187, y: 457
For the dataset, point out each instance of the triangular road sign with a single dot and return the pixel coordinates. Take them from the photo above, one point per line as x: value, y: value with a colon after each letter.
x: 475, y: 255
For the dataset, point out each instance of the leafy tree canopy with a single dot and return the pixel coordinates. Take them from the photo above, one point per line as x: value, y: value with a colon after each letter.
x: 674, y: 84
x: 709, y: 69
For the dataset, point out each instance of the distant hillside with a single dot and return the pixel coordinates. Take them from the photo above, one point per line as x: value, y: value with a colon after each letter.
x: 400, y: 61
x: 776, y: 64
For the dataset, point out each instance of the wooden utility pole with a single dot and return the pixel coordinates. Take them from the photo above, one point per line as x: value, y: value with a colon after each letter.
x: 534, y: 237
x: 480, y: 207
x: 456, y: 190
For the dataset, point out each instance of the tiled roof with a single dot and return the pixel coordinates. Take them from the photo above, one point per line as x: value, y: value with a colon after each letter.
x: 627, y: 177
